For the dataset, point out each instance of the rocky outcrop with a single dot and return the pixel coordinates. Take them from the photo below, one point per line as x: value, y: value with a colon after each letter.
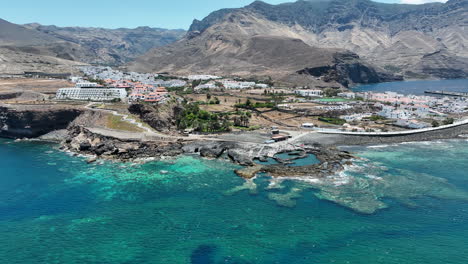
x: 81, y: 140
x: 331, y: 159
x: 34, y: 121
x: 9, y: 95
x: 348, y: 69
x: 444, y: 65
x: 160, y: 117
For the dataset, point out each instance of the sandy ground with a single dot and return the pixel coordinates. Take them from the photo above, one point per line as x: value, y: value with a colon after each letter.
x: 35, y: 85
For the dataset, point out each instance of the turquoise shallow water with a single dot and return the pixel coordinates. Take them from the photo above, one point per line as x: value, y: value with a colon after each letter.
x: 55, y: 208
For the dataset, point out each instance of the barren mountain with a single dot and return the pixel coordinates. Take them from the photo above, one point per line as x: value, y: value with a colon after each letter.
x: 54, y: 49
x: 245, y: 44
x: 111, y: 46
x: 18, y: 62
x: 414, y: 40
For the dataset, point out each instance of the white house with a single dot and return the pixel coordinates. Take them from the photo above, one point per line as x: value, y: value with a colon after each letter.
x: 349, y: 95
x: 309, y: 93
x: 203, y: 77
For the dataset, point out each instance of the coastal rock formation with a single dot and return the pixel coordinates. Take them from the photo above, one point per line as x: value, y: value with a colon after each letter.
x: 160, y: 117
x: 34, y: 121
x: 81, y: 140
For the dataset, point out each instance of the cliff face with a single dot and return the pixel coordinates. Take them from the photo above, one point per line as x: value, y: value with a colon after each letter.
x: 396, y: 37
x: 160, y: 117
x: 243, y: 44
x: 348, y: 69
x: 31, y: 122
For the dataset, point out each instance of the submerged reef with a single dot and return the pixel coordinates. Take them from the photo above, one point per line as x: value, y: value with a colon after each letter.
x: 363, y: 185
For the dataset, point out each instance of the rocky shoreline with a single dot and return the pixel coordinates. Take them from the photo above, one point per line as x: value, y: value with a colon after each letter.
x: 332, y: 160
x: 71, y: 132
x: 74, y: 136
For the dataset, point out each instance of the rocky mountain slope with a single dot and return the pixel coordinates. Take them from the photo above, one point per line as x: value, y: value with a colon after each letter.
x: 13, y: 61
x: 53, y: 49
x: 112, y: 46
x: 245, y: 44
x: 413, y: 40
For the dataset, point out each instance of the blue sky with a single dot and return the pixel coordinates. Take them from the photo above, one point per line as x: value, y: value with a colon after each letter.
x: 130, y: 14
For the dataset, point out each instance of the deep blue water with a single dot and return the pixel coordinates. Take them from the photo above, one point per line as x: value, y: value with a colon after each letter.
x: 55, y: 208
x: 416, y: 87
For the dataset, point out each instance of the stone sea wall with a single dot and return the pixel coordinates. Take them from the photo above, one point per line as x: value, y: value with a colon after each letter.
x: 448, y: 133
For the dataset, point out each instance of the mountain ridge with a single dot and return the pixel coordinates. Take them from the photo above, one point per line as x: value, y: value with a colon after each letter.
x: 395, y: 37
x: 74, y: 45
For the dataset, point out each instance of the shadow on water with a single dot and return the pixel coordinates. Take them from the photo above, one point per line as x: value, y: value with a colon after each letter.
x: 204, y: 254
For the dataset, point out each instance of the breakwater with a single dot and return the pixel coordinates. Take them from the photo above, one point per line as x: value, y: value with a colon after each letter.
x: 445, y: 132
x: 457, y: 94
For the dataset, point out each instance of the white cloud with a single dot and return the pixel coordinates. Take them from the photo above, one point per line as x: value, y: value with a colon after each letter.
x: 417, y: 2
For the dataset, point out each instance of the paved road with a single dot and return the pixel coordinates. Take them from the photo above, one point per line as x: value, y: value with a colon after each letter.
x: 397, y: 133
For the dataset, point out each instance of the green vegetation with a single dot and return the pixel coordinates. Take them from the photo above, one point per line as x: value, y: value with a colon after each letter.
x: 117, y: 123
x: 195, y: 83
x: 448, y: 121
x: 249, y: 105
x: 251, y: 128
x: 242, y: 119
x: 376, y: 118
x: 435, y: 123
x: 332, y: 120
x: 202, y: 121
x: 168, y: 78
x: 330, y: 92
x: 98, y: 81
x: 180, y: 90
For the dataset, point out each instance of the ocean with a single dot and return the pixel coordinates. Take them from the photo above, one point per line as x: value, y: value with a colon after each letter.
x: 416, y: 87
x: 56, y: 208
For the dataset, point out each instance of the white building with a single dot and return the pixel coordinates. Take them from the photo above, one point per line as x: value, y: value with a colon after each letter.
x: 206, y: 86
x: 349, y: 95
x: 308, y: 125
x: 355, y: 117
x: 91, y: 94
x: 309, y: 93
x: 238, y: 85
x: 86, y: 84
x: 203, y: 77
x: 261, y: 85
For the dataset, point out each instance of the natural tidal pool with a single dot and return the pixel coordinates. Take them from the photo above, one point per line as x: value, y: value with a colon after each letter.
x: 55, y: 208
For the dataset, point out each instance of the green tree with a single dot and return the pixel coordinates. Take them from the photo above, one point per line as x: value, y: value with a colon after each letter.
x: 195, y: 83
x: 277, y: 99
x: 330, y: 92
x: 448, y: 121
